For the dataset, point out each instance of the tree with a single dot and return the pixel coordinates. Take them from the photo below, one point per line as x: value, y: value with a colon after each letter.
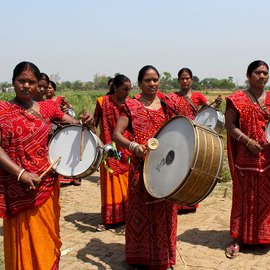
x: 166, y: 81
x: 100, y: 81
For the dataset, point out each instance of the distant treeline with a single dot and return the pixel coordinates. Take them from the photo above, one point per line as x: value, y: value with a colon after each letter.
x: 166, y: 83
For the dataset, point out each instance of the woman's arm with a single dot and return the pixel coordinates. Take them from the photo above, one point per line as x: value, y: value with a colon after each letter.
x: 10, y: 166
x: 232, y: 122
x: 121, y: 126
x: 86, y: 118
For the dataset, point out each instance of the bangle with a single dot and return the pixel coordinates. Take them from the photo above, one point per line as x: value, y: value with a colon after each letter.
x: 240, y: 136
x: 248, y: 142
x: 132, y: 146
x: 20, y: 175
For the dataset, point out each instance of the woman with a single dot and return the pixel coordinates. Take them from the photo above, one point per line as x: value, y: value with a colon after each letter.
x: 62, y: 102
x: 247, y: 115
x: 188, y: 103
x: 114, y: 173
x: 150, y: 224
x: 43, y: 84
x: 29, y: 204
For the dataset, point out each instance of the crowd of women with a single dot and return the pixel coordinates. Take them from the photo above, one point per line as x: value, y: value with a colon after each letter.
x: 29, y: 202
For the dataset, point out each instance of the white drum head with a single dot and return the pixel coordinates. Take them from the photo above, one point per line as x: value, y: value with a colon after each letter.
x: 207, y: 117
x: 166, y: 167
x: 65, y: 143
x: 267, y: 132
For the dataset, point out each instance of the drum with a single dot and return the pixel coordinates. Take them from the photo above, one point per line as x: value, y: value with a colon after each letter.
x: 186, y: 165
x: 66, y: 142
x: 71, y: 113
x: 267, y: 132
x: 211, y: 118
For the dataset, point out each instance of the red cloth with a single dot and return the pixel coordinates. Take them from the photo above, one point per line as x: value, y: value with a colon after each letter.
x: 24, y: 138
x: 250, y: 214
x: 107, y: 111
x: 58, y: 100
x: 184, y: 107
x: 150, y: 228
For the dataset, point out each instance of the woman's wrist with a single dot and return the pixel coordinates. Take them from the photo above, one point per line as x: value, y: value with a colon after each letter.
x: 20, y: 175
x: 132, y: 145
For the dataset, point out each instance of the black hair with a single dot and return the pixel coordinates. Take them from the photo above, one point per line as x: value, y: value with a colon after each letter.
x: 45, y: 77
x: 25, y: 66
x: 143, y: 71
x: 110, y: 80
x: 118, y: 80
x: 187, y: 70
x: 255, y: 64
x: 53, y: 84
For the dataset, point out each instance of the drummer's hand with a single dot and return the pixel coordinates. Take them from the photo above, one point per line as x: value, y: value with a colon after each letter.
x: 140, y: 150
x: 218, y: 101
x: 87, y: 119
x: 254, y: 147
x: 31, y: 180
x: 64, y: 109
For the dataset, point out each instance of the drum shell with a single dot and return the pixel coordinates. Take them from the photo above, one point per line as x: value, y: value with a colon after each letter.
x: 201, y: 177
x: 219, y: 117
x: 70, y: 168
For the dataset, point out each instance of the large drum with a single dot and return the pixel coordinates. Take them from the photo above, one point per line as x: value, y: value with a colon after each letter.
x: 211, y: 118
x: 186, y: 165
x: 66, y: 143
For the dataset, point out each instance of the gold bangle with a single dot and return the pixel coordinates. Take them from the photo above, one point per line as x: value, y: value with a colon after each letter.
x: 248, y: 142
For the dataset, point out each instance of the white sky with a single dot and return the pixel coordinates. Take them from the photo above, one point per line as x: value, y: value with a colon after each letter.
x: 81, y: 38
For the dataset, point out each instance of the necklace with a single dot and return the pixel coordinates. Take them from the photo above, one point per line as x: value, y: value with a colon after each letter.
x: 147, y: 101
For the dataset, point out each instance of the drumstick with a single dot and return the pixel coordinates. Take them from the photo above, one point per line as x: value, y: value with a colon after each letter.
x: 204, y: 108
x: 49, y: 168
x: 152, y: 144
x: 82, y: 143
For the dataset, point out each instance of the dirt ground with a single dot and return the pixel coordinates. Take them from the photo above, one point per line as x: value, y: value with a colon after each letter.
x: 202, y: 236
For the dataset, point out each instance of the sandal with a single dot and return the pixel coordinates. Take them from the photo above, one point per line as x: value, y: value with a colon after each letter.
x: 232, y: 251
x: 101, y: 228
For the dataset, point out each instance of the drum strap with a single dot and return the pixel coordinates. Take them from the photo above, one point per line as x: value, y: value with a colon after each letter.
x: 37, y: 115
x: 164, y: 103
x: 262, y: 106
x: 190, y: 102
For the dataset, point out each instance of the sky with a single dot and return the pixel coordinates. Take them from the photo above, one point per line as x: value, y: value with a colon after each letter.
x: 81, y: 38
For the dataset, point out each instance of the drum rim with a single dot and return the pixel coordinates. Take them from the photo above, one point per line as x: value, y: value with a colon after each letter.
x: 90, y: 170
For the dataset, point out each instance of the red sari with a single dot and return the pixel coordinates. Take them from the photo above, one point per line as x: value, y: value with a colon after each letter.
x: 250, y: 214
x: 150, y: 228
x: 184, y: 107
x: 113, y: 181
x: 24, y: 137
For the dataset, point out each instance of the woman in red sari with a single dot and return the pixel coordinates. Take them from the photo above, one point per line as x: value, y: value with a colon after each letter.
x: 188, y: 103
x: 61, y: 101
x: 150, y: 224
x: 114, y: 173
x: 29, y: 205
x: 247, y: 115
